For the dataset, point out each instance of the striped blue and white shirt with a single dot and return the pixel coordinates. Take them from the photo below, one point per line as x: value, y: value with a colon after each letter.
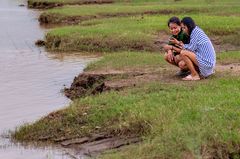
x: 201, y: 45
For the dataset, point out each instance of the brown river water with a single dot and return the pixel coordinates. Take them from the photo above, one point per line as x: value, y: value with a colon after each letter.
x: 31, y: 79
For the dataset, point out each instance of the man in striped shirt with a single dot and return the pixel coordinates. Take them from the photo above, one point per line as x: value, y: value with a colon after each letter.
x: 199, y: 55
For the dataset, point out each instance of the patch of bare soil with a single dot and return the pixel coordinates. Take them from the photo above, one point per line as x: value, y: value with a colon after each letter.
x: 221, y: 46
x: 91, y: 83
x: 40, y: 43
x: 47, y: 5
x: 220, y: 151
x: 233, y: 69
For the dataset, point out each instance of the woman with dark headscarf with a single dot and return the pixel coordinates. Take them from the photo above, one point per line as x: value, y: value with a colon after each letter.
x: 199, y: 55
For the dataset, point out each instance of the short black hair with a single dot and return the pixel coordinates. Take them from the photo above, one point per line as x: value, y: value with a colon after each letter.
x: 175, y: 20
x: 189, y: 22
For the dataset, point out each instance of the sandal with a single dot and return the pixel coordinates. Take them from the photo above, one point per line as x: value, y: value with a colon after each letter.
x: 191, y: 78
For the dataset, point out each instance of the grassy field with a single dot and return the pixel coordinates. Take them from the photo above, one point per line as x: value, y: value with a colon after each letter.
x: 134, y: 33
x: 66, y: 14
x: 103, y: 27
x: 131, y: 60
x: 172, y: 118
x: 157, y: 8
x: 175, y: 119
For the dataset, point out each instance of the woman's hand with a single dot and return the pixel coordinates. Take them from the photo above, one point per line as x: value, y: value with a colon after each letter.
x: 180, y: 44
x: 177, y: 43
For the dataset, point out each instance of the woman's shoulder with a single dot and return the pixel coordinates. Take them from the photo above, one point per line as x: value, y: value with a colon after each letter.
x: 197, y: 30
x: 199, y: 34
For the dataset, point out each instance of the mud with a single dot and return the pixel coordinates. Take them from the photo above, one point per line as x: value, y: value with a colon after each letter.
x: 233, y: 69
x: 85, y: 84
x: 40, y: 43
x: 221, y: 46
x: 43, y: 5
x: 92, y: 83
x: 47, y: 5
x: 220, y: 150
x: 97, y: 143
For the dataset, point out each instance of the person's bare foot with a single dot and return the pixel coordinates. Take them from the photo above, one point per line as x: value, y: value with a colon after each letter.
x: 191, y: 78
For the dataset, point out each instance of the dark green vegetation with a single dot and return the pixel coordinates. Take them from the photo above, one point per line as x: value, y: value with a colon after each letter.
x: 175, y: 119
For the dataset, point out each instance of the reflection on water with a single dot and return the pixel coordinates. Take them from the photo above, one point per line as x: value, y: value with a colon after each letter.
x: 30, y: 78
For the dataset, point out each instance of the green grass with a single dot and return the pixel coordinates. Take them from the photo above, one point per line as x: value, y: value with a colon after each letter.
x: 123, y: 60
x: 184, y: 117
x: 169, y: 117
x: 106, y: 35
x: 108, y: 9
x: 200, y: 118
x: 229, y: 57
x: 131, y: 33
x: 139, y: 32
x: 75, y: 14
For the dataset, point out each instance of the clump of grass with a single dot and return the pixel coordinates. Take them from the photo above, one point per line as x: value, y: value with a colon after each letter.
x: 229, y: 57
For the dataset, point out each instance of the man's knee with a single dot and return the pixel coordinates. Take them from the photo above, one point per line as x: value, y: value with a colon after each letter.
x: 164, y: 47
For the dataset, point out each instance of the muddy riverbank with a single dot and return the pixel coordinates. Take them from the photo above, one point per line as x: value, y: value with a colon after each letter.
x: 130, y: 98
x: 47, y: 5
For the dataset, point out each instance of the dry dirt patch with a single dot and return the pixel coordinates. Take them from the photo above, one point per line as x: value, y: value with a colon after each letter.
x: 95, y: 82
